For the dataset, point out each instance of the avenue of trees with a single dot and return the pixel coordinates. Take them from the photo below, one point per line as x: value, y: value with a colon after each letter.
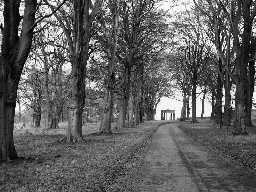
x: 79, y: 61
x: 111, y: 61
x: 215, y: 54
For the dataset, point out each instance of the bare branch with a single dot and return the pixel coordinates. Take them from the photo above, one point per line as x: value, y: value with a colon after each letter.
x: 49, y: 15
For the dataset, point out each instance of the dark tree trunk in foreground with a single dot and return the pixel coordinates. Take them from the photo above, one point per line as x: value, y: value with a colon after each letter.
x: 15, y: 50
x: 251, y: 81
x: 242, y: 46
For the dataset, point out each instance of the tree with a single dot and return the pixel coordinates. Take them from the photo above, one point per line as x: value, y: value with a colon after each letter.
x: 158, y: 83
x: 181, y: 74
x: 241, y: 14
x: 77, y: 26
x: 105, y: 126
x: 15, y: 50
x: 218, y: 31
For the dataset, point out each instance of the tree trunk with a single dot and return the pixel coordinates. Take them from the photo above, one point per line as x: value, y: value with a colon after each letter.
x: 49, y: 103
x: 227, y: 107
x: 131, y: 121
x: 19, y: 103
x: 203, y: 100
x: 125, y: 95
x: 213, y: 106
x: 76, y: 121
x: 10, y: 118
x: 150, y: 114
x: 3, y: 116
x: 218, y: 105
x: 188, y: 108
x: 8, y: 150
x: 37, y: 118
x: 79, y: 60
x: 55, y: 118
x: 141, y: 92
x: 15, y: 50
x: 194, y: 102
x: 240, y: 115
x: 251, y: 82
x: 137, y: 110
x: 122, y: 113
x: 105, y: 127
x: 183, y: 110
x: 241, y: 77
x: 138, y: 94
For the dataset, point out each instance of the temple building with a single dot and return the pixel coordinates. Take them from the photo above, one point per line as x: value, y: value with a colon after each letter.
x: 167, y: 114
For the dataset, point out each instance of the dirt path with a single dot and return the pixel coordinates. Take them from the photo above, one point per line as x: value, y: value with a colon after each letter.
x: 175, y: 164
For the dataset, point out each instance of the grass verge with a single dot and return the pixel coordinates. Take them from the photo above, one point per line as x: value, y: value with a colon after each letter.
x: 239, y: 149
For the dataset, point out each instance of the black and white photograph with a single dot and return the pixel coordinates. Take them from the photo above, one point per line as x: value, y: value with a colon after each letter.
x: 127, y: 96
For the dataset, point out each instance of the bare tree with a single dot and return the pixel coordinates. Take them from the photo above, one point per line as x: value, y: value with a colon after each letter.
x: 15, y: 50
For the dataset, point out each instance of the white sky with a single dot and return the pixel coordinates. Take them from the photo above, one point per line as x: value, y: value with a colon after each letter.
x: 176, y: 104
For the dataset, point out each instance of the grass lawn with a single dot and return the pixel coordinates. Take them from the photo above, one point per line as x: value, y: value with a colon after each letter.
x: 240, y: 149
x: 99, y: 163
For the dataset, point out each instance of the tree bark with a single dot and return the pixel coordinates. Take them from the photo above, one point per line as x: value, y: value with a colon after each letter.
x: 131, y: 118
x: 203, y: 100
x: 213, y: 105
x: 37, y: 117
x: 227, y: 107
x: 150, y: 114
x: 49, y: 104
x: 105, y: 127
x: 138, y: 94
x: 125, y: 92
x: 194, y: 86
x: 15, y: 50
x: 122, y: 112
x: 242, y: 45
x: 3, y: 116
x: 251, y: 82
x: 79, y: 60
x: 183, y: 110
x: 188, y: 108
x: 218, y: 104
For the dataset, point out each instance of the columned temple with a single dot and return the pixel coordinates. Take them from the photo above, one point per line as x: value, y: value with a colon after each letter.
x: 167, y: 114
